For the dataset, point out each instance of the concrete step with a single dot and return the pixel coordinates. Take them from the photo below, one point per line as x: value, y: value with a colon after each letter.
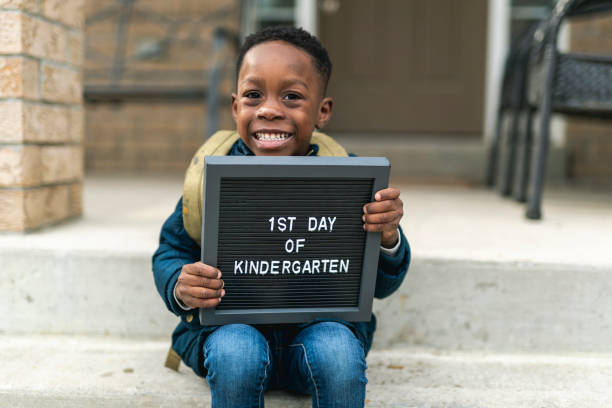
x: 446, y: 304
x: 482, y: 277
x: 61, y: 371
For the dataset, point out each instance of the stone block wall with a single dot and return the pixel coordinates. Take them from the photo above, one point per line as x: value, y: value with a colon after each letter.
x: 590, y: 141
x: 41, y: 114
x: 167, y: 45
x: 145, y: 136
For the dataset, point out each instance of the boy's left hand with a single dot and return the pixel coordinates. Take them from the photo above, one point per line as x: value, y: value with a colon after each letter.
x: 384, y: 215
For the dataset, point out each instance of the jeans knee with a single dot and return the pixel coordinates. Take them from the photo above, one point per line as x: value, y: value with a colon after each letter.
x: 236, y: 354
x: 335, y: 357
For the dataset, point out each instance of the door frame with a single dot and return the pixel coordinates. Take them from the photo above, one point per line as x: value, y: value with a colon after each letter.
x: 498, y: 41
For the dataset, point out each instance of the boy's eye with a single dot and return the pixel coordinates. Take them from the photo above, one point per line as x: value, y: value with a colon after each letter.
x: 292, y: 96
x: 252, y: 95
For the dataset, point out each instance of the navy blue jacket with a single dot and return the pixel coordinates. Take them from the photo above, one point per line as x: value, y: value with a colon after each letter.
x: 176, y: 249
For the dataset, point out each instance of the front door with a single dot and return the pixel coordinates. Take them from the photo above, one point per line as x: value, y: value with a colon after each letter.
x: 406, y: 66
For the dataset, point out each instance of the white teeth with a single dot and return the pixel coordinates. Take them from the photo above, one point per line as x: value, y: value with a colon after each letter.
x: 271, y: 136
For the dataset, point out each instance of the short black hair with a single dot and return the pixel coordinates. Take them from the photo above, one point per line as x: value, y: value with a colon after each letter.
x: 294, y: 36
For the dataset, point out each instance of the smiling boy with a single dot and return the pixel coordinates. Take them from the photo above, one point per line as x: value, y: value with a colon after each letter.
x: 280, y: 100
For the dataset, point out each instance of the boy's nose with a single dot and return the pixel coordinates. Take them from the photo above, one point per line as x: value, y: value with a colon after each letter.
x: 269, y: 112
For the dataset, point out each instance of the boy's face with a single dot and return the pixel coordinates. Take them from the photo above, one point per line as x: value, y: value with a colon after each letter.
x: 279, y: 100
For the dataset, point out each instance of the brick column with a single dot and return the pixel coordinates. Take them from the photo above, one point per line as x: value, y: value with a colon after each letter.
x: 41, y: 112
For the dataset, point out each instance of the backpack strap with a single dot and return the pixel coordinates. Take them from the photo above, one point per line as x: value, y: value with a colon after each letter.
x: 220, y: 144
x: 173, y: 360
x: 327, y: 145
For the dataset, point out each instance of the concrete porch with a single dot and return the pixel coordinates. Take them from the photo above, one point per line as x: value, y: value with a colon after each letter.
x: 497, y: 311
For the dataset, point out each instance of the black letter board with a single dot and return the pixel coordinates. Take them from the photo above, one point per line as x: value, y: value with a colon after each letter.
x: 287, y: 234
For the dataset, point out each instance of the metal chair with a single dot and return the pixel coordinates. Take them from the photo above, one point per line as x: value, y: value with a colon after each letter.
x: 567, y: 83
x: 512, y: 102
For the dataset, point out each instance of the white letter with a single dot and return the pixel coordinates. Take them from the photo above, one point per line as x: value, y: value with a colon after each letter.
x: 312, y: 224
x: 289, y: 248
x: 254, y: 267
x: 333, y: 266
x: 274, y: 268
x: 291, y: 219
x: 325, y: 262
x: 293, y: 267
x: 297, y: 244
x: 315, y: 265
x: 263, y: 271
x: 344, y: 266
x: 331, y: 223
x: 306, y: 267
x: 323, y: 224
x: 271, y: 220
x: 238, y: 266
x: 282, y: 224
x: 286, y: 265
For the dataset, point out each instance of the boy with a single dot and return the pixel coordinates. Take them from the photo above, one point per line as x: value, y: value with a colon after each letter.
x: 279, y: 101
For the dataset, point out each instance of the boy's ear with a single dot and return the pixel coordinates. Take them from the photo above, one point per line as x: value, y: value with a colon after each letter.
x: 234, y: 106
x: 325, y: 111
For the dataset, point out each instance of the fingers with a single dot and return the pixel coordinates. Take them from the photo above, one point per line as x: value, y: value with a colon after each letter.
x: 384, y: 221
x: 201, y: 293
x: 382, y: 218
x: 384, y: 214
x: 380, y: 227
x: 201, y: 269
x: 383, y: 211
x: 196, y: 296
x: 200, y: 285
x: 390, y: 193
x: 381, y: 206
x: 194, y: 303
x: 201, y: 281
x: 388, y: 221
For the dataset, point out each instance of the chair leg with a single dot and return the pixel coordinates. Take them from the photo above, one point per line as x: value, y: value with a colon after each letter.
x: 508, y: 180
x: 523, y: 170
x: 538, y: 163
x: 493, y: 158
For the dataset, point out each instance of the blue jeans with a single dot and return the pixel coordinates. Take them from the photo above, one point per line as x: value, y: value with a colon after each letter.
x: 324, y: 359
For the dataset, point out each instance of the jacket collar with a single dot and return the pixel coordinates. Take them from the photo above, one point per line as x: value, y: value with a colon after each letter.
x: 241, y: 149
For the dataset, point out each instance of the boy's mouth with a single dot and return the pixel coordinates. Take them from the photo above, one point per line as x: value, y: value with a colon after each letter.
x: 274, y: 136
x: 271, y: 139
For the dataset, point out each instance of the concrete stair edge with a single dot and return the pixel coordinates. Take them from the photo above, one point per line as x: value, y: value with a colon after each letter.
x: 63, y: 371
x: 444, y: 303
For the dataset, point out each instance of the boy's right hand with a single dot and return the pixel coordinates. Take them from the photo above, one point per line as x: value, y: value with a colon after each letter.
x: 199, y: 285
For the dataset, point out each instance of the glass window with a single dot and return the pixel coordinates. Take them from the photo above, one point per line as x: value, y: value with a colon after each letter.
x: 257, y: 14
x: 525, y: 12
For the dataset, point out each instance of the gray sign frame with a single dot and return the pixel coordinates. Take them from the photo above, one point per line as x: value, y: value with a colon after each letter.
x: 218, y: 167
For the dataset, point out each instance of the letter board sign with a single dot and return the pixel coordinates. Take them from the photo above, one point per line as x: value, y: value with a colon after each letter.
x: 287, y: 234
